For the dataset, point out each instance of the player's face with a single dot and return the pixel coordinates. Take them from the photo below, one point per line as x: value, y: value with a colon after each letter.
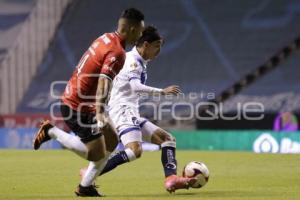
x: 136, y: 32
x: 153, y: 49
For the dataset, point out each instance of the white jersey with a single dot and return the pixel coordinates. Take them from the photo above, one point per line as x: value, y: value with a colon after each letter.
x: 134, y: 68
x: 123, y: 106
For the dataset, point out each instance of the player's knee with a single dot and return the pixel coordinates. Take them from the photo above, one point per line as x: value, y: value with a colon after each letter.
x: 170, y: 137
x: 95, y: 155
x: 138, y: 152
x: 137, y: 149
x: 169, y: 141
x: 173, y: 138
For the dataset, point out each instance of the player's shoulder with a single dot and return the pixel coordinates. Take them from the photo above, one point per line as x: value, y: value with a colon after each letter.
x: 132, y: 62
x: 108, y: 38
x: 111, y: 42
x: 131, y: 57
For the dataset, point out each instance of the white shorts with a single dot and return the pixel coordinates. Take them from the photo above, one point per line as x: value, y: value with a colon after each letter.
x: 131, y: 127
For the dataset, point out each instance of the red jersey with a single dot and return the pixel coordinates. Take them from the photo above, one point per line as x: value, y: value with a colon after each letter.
x: 105, y: 56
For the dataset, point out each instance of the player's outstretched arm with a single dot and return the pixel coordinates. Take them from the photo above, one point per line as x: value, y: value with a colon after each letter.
x: 138, y: 87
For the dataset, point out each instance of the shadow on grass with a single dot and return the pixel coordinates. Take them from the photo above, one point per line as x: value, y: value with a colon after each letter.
x: 40, y: 197
x: 155, y: 196
x: 230, y: 194
x: 224, y: 194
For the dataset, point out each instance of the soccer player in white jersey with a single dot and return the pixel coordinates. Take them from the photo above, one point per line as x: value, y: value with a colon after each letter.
x: 123, y: 110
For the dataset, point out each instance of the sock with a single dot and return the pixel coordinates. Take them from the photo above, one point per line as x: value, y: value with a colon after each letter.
x: 118, y: 159
x: 168, y: 158
x: 93, y: 171
x: 69, y: 141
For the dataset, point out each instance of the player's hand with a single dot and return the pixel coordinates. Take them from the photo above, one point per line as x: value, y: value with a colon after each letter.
x: 173, y: 89
x: 102, y: 120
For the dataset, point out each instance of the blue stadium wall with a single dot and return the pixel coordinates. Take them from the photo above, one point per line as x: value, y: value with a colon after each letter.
x: 210, y: 44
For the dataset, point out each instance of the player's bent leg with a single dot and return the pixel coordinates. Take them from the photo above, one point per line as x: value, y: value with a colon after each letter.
x: 132, y: 142
x: 168, y: 149
x: 93, y: 170
x: 136, y: 148
x: 154, y: 134
x: 160, y: 136
x: 168, y: 157
x: 98, y: 153
x: 119, y: 158
x: 47, y: 131
x: 69, y: 141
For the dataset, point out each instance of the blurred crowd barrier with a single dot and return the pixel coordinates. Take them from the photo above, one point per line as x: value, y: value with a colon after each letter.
x: 22, y: 59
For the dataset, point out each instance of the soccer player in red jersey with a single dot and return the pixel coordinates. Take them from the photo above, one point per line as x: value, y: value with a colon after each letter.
x: 85, y: 97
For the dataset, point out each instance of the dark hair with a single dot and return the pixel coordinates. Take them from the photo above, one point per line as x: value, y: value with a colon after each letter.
x: 150, y: 34
x: 132, y: 14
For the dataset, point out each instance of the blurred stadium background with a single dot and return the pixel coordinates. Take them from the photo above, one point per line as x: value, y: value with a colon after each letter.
x: 210, y: 45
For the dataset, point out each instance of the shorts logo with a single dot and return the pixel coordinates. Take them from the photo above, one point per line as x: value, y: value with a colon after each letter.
x: 135, y: 121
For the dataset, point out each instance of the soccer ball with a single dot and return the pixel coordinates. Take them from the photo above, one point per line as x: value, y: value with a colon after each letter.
x: 197, y: 170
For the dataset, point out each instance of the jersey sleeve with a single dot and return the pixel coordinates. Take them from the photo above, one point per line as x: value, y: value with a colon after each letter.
x: 138, y: 87
x: 112, y: 64
x: 134, y: 70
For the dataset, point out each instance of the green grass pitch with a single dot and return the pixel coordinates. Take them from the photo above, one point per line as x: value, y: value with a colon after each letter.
x: 47, y: 174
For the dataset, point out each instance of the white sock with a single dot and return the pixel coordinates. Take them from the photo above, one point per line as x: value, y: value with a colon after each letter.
x: 130, y: 154
x: 93, y: 171
x: 69, y: 141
